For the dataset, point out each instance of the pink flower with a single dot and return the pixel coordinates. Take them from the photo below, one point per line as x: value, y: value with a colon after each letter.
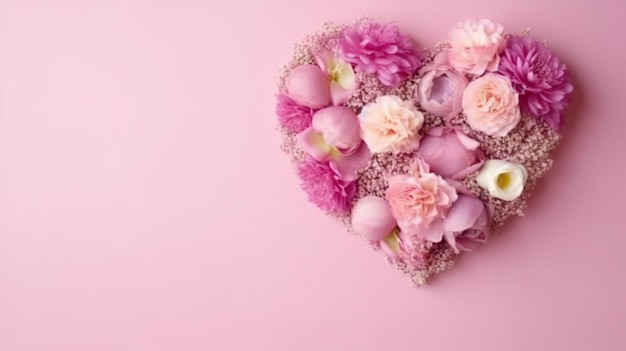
x: 291, y: 115
x: 491, y: 105
x: 441, y: 89
x: 475, y: 46
x: 372, y: 218
x: 341, y: 76
x: 420, y: 202
x: 391, y: 125
x: 380, y: 49
x: 411, y: 249
x: 335, y: 136
x: 308, y: 86
x: 325, y: 186
x: 450, y: 153
x: 467, y: 224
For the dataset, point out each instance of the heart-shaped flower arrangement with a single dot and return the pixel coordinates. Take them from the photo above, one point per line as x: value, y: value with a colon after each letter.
x: 424, y: 153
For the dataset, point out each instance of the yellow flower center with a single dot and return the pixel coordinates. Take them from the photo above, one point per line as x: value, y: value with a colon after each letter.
x: 504, y: 180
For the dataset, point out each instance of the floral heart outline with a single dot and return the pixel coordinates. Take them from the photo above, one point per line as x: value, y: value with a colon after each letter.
x: 423, y: 153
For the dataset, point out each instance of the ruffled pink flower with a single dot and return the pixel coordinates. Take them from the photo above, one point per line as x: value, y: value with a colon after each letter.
x: 450, y: 153
x: 335, y: 136
x: 391, y: 124
x: 291, y: 115
x: 539, y: 77
x: 420, y: 202
x: 380, y: 49
x: 324, y: 186
x: 440, y: 91
x: 467, y: 224
x: 475, y: 46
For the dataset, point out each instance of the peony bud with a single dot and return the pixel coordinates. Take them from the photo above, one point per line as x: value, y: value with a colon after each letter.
x: 308, y: 86
x: 371, y: 217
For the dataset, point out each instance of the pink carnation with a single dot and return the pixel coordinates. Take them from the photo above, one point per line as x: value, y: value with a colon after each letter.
x: 420, y: 202
x: 475, y: 46
x: 380, y: 49
x: 325, y: 186
x: 291, y: 115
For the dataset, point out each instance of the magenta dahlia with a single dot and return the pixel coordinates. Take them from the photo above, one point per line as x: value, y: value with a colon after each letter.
x: 380, y: 49
x: 291, y: 115
x: 324, y: 185
x: 541, y: 80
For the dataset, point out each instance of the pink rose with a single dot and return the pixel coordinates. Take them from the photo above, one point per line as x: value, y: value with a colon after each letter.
x: 467, y: 224
x: 441, y: 89
x: 391, y: 125
x: 450, y: 153
x: 372, y: 218
x: 420, y: 202
x: 475, y: 46
x: 308, y: 86
x: 491, y: 105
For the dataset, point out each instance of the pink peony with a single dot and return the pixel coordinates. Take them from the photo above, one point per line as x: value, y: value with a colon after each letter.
x: 324, y: 186
x: 467, y: 224
x: 450, y: 153
x: 475, y: 46
x: 335, y: 135
x: 420, y: 202
x: 308, y: 86
x: 380, y: 49
x: 440, y: 90
x: 372, y: 218
x: 391, y: 125
x: 491, y: 105
x: 291, y: 115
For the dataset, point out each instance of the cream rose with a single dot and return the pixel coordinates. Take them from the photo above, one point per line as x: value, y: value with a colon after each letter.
x: 504, y: 180
x: 391, y: 124
x: 491, y: 105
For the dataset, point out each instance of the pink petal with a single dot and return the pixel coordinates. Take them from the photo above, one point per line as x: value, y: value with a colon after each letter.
x: 434, y: 232
x: 339, y: 95
x: 312, y: 143
x: 348, y: 165
x: 463, y: 214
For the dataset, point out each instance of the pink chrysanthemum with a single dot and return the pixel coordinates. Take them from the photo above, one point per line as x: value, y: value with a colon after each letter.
x: 380, y: 49
x: 324, y: 185
x: 291, y: 115
x: 541, y: 80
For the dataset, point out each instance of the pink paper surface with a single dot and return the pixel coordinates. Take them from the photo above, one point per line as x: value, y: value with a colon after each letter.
x: 145, y: 205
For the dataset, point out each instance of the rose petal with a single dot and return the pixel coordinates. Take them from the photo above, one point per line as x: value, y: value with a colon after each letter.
x: 463, y: 214
x: 312, y: 143
x: 348, y: 165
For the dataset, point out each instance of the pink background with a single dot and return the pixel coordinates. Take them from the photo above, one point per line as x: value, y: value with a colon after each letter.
x: 145, y: 205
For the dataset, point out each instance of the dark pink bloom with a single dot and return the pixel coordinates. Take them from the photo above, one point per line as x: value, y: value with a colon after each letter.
x: 325, y: 186
x: 380, y: 49
x: 291, y: 115
x: 541, y: 80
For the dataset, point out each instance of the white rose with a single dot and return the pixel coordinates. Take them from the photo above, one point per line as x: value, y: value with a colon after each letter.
x: 504, y: 180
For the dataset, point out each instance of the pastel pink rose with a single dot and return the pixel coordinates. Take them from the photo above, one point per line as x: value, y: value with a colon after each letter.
x: 420, y: 202
x: 372, y: 218
x: 308, y: 86
x: 450, y: 153
x: 491, y: 105
x: 440, y: 90
x: 467, y: 224
x: 391, y: 124
x: 475, y: 46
